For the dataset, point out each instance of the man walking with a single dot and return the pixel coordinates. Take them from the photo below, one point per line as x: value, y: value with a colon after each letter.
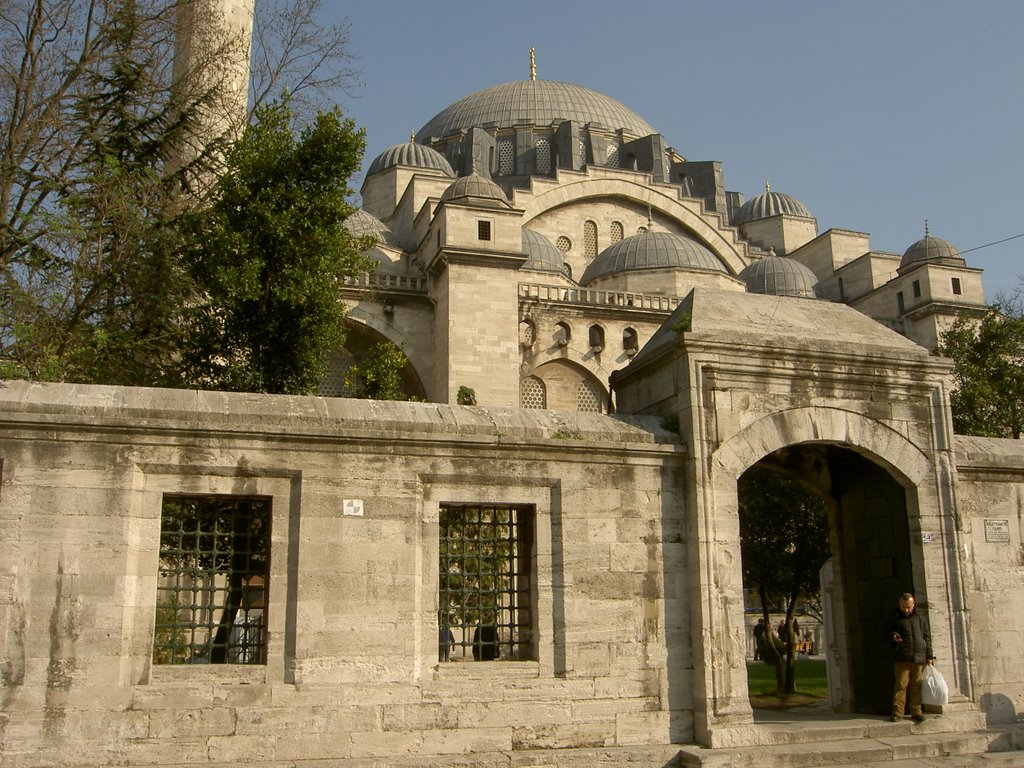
x: 911, y: 638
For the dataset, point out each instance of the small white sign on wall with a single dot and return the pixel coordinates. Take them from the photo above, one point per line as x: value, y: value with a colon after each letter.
x: 926, y: 537
x: 352, y: 507
x: 997, y: 531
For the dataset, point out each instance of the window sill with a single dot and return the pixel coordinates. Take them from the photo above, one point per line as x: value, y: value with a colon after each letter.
x: 239, y: 674
x: 472, y: 670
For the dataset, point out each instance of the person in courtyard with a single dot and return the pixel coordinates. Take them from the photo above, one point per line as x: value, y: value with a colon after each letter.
x: 759, y: 638
x: 911, y: 638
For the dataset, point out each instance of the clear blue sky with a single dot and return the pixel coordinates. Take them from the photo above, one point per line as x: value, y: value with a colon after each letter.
x: 876, y: 114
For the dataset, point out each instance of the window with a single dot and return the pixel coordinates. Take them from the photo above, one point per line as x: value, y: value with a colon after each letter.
x: 589, y: 239
x: 596, y: 338
x: 543, y: 155
x: 617, y: 231
x: 533, y: 393
x: 506, y: 157
x: 484, y: 579
x: 630, y: 341
x: 613, y: 155
x: 211, y: 590
x: 564, y: 244
x: 900, y: 306
x: 581, y: 148
x: 957, y: 290
x: 483, y: 230
x: 917, y: 289
x: 563, y: 334
x: 589, y: 397
x: 842, y: 293
x: 527, y: 333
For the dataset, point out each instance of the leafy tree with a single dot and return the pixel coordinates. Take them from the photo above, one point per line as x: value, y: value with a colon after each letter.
x: 784, y: 541
x: 988, y: 373
x: 379, y: 374
x: 270, y: 255
x: 97, y: 136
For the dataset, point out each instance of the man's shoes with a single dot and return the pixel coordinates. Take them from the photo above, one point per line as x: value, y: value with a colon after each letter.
x: 918, y: 718
x: 894, y: 719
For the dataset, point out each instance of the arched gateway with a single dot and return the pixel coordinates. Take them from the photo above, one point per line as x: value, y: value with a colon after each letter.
x: 778, y: 381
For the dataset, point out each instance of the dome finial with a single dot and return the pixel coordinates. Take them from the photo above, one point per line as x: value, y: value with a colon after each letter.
x: 650, y: 218
x: 412, y: 137
x: 767, y: 185
x: 926, y: 232
x: 533, y: 63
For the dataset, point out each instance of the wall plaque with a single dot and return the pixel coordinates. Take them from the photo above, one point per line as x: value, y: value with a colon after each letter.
x: 997, y: 531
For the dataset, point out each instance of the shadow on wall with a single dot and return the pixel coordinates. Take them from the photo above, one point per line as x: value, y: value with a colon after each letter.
x: 999, y: 709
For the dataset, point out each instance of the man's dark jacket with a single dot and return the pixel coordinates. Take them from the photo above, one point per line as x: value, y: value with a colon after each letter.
x: 917, y: 637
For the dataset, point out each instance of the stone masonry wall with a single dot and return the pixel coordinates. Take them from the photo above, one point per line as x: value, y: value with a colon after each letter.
x: 352, y: 670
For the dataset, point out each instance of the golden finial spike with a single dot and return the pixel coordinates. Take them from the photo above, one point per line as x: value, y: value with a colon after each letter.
x: 412, y: 136
x: 533, y: 63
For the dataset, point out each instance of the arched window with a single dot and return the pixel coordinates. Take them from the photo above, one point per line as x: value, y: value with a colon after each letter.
x: 617, y: 231
x: 563, y: 334
x: 527, y: 333
x: 630, y: 341
x: 543, y: 155
x: 506, y: 157
x: 590, y: 397
x: 532, y: 393
x: 596, y: 338
x: 589, y: 239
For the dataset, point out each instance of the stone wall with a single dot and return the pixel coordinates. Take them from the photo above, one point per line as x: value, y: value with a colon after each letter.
x: 352, y: 667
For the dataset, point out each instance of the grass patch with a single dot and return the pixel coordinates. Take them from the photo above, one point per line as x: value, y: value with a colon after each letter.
x: 811, y: 678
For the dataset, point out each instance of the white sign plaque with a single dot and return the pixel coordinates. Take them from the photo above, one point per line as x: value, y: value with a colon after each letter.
x: 352, y: 507
x: 997, y: 531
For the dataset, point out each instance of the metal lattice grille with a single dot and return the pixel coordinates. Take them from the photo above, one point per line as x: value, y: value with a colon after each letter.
x: 613, y: 156
x: 564, y: 244
x: 211, y: 592
x: 484, y: 575
x: 617, y: 231
x: 532, y: 393
x: 589, y: 239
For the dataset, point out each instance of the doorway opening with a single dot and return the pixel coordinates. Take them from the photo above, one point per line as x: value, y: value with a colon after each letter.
x: 865, y: 560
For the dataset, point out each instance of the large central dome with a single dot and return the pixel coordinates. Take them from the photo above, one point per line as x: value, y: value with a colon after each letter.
x: 533, y: 102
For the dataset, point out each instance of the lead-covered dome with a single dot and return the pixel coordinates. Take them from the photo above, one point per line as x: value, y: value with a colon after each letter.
x: 932, y: 249
x: 780, y: 276
x: 541, y: 253
x: 412, y: 154
x: 533, y: 102
x: 362, y: 223
x: 769, y: 204
x: 476, y: 188
x: 652, y: 250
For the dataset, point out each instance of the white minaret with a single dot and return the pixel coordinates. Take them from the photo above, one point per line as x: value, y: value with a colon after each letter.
x: 211, y: 66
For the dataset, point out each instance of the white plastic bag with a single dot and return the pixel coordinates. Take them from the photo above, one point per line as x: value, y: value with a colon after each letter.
x: 933, y: 687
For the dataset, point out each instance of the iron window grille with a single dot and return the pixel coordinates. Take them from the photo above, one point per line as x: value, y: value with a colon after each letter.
x: 485, y: 556
x: 214, y: 573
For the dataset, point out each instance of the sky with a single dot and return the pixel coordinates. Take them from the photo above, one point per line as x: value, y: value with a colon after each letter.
x: 876, y: 114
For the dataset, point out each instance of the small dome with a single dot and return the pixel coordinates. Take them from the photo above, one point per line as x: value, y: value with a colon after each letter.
x: 362, y: 223
x: 780, y: 276
x: 411, y: 153
x: 769, y: 204
x: 932, y: 249
x: 477, y: 188
x: 542, y: 253
x: 652, y: 250
x: 537, y: 103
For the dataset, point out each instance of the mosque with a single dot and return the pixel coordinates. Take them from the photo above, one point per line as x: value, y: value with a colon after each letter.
x: 538, y: 560
x: 532, y: 237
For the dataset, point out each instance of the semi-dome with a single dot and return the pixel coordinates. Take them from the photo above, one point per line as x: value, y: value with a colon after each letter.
x: 475, y: 188
x: 780, y: 276
x: 412, y: 154
x: 652, y: 250
x: 541, y: 253
x: 362, y: 223
x: 769, y: 204
x: 933, y: 249
x: 533, y: 102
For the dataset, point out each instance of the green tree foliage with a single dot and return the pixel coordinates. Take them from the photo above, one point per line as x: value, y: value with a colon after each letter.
x: 988, y: 374
x: 784, y: 541
x: 271, y: 255
x: 379, y: 374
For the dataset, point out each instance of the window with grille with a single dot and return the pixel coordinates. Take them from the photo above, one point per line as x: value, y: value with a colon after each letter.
x: 589, y: 239
x: 543, y: 155
x: 917, y: 289
x: 532, y: 393
x: 957, y: 290
x: 527, y: 333
x: 613, y: 156
x: 483, y: 230
x: 589, y: 397
x: 213, y: 579
x: 485, y: 557
x: 582, y: 149
x: 617, y: 231
x: 506, y: 157
x: 564, y: 244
